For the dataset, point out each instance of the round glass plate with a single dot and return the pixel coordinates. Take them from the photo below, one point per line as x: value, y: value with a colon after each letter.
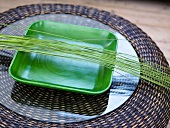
x: 60, y: 106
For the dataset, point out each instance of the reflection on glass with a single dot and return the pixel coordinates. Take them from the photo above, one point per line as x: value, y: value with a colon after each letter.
x: 68, y: 105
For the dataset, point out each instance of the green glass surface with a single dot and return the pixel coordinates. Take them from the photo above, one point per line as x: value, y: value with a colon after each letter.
x: 64, y: 73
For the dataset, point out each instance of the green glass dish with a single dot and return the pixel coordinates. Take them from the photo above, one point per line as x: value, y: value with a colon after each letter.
x: 64, y: 73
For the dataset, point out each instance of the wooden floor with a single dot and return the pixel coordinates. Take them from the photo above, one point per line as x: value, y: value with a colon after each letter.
x: 153, y: 17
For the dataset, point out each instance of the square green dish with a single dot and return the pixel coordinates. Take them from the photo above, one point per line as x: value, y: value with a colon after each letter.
x: 64, y: 73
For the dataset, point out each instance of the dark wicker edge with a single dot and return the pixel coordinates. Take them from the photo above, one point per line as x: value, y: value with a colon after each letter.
x: 148, y: 106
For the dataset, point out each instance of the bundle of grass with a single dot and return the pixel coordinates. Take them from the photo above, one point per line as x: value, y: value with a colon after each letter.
x: 146, y: 70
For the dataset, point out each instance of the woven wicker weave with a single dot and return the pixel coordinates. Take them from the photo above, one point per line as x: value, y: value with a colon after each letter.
x: 148, y: 106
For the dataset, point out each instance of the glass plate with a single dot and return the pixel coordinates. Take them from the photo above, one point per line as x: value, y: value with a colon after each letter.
x: 60, y: 106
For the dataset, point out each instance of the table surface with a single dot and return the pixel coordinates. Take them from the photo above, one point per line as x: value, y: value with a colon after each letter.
x: 151, y: 16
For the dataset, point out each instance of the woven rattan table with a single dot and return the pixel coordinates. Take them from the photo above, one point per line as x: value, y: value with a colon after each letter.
x: 27, y: 106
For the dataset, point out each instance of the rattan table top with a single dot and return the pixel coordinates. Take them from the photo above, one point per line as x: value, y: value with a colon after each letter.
x: 144, y: 104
